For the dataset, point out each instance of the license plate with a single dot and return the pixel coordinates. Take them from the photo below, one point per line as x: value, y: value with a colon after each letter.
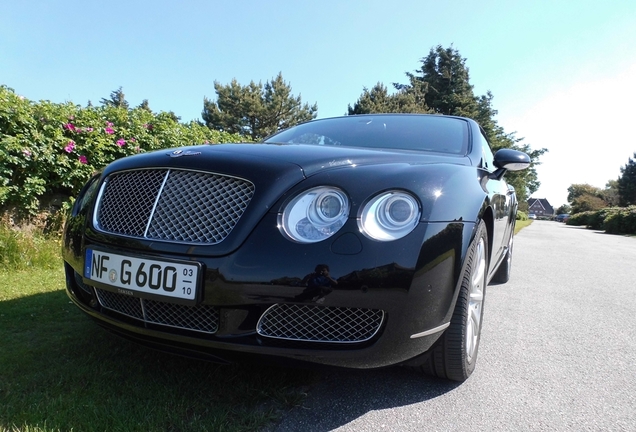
x: 131, y: 275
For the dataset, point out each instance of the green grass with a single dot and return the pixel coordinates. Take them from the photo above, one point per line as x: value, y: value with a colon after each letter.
x: 59, y: 371
x: 521, y: 224
x: 19, y: 250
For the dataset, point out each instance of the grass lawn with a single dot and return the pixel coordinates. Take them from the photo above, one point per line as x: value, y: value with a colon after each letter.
x: 60, y: 371
x: 521, y: 224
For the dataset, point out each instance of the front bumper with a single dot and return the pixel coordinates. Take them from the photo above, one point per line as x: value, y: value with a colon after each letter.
x: 411, y: 283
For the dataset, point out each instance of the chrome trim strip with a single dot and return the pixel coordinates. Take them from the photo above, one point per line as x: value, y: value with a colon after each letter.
x: 98, y: 204
x: 154, y: 206
x: 431, y: 331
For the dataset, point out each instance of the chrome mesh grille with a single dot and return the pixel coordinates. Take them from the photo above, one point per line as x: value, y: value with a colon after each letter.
x: 172, y: 205
x: 320, y: 323
x: 199, y: 318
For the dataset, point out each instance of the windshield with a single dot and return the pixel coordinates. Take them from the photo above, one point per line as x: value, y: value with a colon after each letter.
x: 433, y: 133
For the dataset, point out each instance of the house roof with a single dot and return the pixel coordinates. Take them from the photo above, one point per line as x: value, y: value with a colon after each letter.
x: 543, y: 202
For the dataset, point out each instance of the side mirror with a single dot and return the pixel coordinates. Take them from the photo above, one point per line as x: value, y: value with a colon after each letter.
x: 509, y: 160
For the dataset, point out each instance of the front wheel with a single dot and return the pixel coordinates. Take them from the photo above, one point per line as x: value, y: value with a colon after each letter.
x: 455, y: 354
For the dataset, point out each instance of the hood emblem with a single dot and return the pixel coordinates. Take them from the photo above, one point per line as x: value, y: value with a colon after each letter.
x: 179, y: 153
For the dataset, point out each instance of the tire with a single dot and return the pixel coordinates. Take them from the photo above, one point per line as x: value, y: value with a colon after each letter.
x: 454, y: 355
x: 502, y: 275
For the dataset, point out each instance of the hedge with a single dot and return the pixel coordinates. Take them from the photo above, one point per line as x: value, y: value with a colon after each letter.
x: 53, y: 148
x: 613, y: 220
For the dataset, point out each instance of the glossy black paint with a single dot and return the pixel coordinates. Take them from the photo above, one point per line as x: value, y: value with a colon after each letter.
x: 413, y: 279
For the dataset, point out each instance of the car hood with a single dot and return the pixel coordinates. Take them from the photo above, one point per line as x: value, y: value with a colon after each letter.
x: 274, y: 170
x: 310, y: 159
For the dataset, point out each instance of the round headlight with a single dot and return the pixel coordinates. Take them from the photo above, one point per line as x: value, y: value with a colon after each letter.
x: 315, y: 214
x: 390, y: 216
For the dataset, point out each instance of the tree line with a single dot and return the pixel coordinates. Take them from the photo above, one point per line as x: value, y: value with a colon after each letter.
x: 54, y: 146
x: 617, y: 193
x: 440, y: 85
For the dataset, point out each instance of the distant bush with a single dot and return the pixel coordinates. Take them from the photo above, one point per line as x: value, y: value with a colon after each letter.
x: 622, y: 221
x: 53, y: 148
x: 579, y: 219
x: 614, y: 220
x: 522, y: 216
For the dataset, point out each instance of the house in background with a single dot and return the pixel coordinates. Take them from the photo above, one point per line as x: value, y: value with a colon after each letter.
x: 540, y: 207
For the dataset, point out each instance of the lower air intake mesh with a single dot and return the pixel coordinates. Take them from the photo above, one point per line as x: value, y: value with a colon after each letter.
x: 199, y: 318
x: 319, y: 323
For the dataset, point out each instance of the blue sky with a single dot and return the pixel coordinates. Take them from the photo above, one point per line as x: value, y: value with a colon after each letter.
x: 563, y: 73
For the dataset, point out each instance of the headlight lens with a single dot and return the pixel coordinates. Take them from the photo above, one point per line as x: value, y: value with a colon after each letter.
x: 390, y: 216
x: 315, y: 214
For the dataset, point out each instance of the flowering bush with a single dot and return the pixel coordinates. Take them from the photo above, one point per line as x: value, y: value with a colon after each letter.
x: 53, y: 148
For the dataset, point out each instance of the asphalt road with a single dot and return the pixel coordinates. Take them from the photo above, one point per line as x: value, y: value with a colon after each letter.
x: 558, y: 352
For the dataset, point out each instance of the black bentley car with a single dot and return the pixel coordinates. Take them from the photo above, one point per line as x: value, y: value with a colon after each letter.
x: 359, y: 241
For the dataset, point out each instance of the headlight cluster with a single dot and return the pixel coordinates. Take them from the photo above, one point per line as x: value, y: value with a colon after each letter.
x: 318, y: 213
x: 315, y: 215
x: 389, y: 216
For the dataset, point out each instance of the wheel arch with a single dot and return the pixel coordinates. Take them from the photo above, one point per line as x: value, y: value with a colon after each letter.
x: 488, y: 217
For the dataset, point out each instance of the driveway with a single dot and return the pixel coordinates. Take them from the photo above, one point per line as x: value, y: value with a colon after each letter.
x: 558, y: 352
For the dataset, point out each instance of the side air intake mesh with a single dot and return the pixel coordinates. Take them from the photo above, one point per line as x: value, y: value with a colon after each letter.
x: 319, y: 323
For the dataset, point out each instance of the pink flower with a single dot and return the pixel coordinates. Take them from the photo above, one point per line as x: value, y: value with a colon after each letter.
x: 133, y: 140
x: 88, y: 129
x: 121, y: 142
x: 70, y: 126
x: 148, y: 126
x: 82, y: 159
x: 109, y: 130
x: 26, y: 153
x: 109, y: 124
x: 69, y: 147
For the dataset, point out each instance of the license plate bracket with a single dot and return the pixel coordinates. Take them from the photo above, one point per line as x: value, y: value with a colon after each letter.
x: 168, y: 280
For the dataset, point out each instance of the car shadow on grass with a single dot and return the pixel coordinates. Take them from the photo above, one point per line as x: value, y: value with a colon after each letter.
x: 60, y: 370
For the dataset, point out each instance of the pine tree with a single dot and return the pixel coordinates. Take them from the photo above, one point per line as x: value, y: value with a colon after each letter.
x: 444, y: 79
x: 378, y: 100
x: 117, y: 99
x: 442, y: 85
x: 255, y: 110
x: 627, y: 183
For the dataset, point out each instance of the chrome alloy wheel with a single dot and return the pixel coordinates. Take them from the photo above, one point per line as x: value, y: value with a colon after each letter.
x: 476, y: 300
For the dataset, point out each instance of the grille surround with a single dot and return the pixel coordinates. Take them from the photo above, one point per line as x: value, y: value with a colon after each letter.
x: 322, y: 324
x: 199, y: 318
x: 173, y: 205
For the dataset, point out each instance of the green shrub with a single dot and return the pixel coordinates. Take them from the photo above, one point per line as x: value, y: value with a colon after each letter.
x: 579, y: 219
x: 621, y: 221
x: 614, y: 220
x: 49, y: 148
x: 522, y: 216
